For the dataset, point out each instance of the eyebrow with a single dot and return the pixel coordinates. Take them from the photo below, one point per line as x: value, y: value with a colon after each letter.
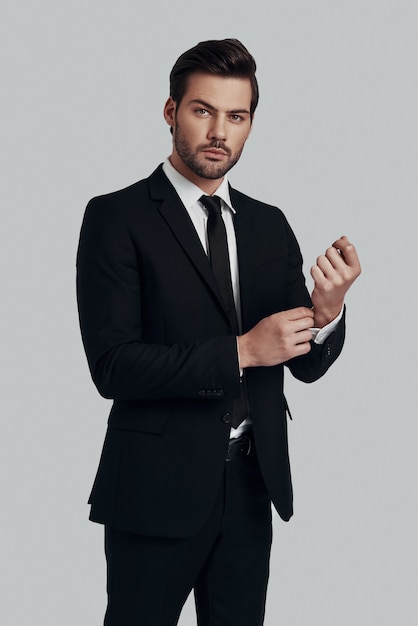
x: 206, y: 105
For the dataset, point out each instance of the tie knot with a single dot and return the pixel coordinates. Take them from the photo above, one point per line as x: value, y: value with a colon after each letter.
x: 212, y: 203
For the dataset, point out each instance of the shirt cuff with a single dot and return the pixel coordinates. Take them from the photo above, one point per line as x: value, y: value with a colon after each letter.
x: 241, y: 371
x: 319, y: 335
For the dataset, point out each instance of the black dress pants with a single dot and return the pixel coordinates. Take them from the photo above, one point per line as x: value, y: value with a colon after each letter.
x: 226, y: 562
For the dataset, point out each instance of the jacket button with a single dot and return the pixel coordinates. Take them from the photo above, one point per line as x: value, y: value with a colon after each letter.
x: 227, y: 419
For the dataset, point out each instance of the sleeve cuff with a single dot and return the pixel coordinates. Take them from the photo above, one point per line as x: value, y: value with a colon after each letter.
x: 319, y: 335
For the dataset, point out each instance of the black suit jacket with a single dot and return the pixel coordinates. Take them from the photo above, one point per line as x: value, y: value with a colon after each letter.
x: 158, y: 343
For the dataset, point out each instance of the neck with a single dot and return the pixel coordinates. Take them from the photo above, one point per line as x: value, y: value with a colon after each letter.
x: 208, y: 185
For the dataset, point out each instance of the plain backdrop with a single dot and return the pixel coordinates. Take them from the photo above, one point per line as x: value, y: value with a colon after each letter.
x: 334, y: 144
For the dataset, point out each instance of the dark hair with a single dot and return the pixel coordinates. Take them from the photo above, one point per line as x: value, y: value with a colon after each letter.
x: 225, y: 57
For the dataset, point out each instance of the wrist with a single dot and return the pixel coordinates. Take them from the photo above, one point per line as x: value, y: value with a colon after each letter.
x: 323, y: 317
x: 244, y: 359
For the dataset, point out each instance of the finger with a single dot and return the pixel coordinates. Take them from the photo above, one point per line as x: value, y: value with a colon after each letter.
x: 324, y: 264
x: 302, y: 326
x: 343, y: 238
x: 301, y: 349
x: 303, y: 336
x: 326, y: 278
x: 317, y: 275
x: 298, y: 313
x: 336, y: 259
x: 341, y: 243
x: 348, y: 252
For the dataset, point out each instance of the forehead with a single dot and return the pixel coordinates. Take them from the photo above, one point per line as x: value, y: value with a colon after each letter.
x: 226, y: 93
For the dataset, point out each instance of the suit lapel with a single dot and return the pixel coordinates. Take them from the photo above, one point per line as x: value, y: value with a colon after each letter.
x: 178, y: 220
x: 245, y: 235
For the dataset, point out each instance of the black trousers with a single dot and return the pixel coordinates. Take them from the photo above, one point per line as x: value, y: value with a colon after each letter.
x: 226, y: 562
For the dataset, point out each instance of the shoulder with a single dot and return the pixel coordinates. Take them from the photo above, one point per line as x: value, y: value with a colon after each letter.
x: 129, y: 197
x: 254, y: 207
x: 267, y: 223
x: 262, y: 216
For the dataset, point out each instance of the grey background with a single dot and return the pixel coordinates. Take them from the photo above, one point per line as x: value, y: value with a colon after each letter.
x: 335, y: 146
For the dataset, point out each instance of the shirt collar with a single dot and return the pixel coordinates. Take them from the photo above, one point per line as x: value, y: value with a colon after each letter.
x: 188, y: 192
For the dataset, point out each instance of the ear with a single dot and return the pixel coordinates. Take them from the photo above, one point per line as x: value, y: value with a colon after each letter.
x: 170, y: 112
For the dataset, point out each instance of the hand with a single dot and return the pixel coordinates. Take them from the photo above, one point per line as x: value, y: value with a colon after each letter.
x: 276, y: 339
x: 333, y: 274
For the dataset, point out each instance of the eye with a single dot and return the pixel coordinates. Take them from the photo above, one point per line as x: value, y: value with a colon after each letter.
x: 237, y: 118
x: 202, y: 112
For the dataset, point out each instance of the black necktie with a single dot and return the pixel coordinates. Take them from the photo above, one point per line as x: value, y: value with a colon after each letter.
x: 219, y: 261
x: 219, y: 256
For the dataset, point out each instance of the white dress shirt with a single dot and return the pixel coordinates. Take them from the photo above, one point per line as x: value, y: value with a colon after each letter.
x: 189, y: 194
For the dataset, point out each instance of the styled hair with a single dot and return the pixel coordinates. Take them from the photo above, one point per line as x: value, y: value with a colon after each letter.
x: 225, y: 57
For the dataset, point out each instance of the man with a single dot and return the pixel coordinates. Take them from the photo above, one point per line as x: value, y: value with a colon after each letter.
x: 191, y: 300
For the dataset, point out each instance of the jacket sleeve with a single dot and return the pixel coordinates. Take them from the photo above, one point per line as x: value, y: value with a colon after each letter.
x: 310, y: 367
x: 122, y: 365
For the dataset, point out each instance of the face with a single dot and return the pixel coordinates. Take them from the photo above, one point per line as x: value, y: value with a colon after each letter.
x: 210, y: 127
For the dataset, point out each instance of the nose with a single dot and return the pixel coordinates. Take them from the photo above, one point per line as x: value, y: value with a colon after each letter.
x: 218, y: 129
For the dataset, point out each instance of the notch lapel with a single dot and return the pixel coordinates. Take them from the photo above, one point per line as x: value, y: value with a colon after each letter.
x: 245, y: 236
x: 175, y: 214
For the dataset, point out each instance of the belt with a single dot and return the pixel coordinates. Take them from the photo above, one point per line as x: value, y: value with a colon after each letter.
x: 240, y: 446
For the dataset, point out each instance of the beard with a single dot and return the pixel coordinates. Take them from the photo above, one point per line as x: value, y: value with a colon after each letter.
x: 199, y: 165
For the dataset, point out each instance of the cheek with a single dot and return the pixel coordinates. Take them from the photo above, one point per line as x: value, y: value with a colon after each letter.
x: 193, y: 133
x: 239, y: 141
x: 241, y: 134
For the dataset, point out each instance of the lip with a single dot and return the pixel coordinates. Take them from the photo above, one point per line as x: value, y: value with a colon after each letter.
x: 215, y: 153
